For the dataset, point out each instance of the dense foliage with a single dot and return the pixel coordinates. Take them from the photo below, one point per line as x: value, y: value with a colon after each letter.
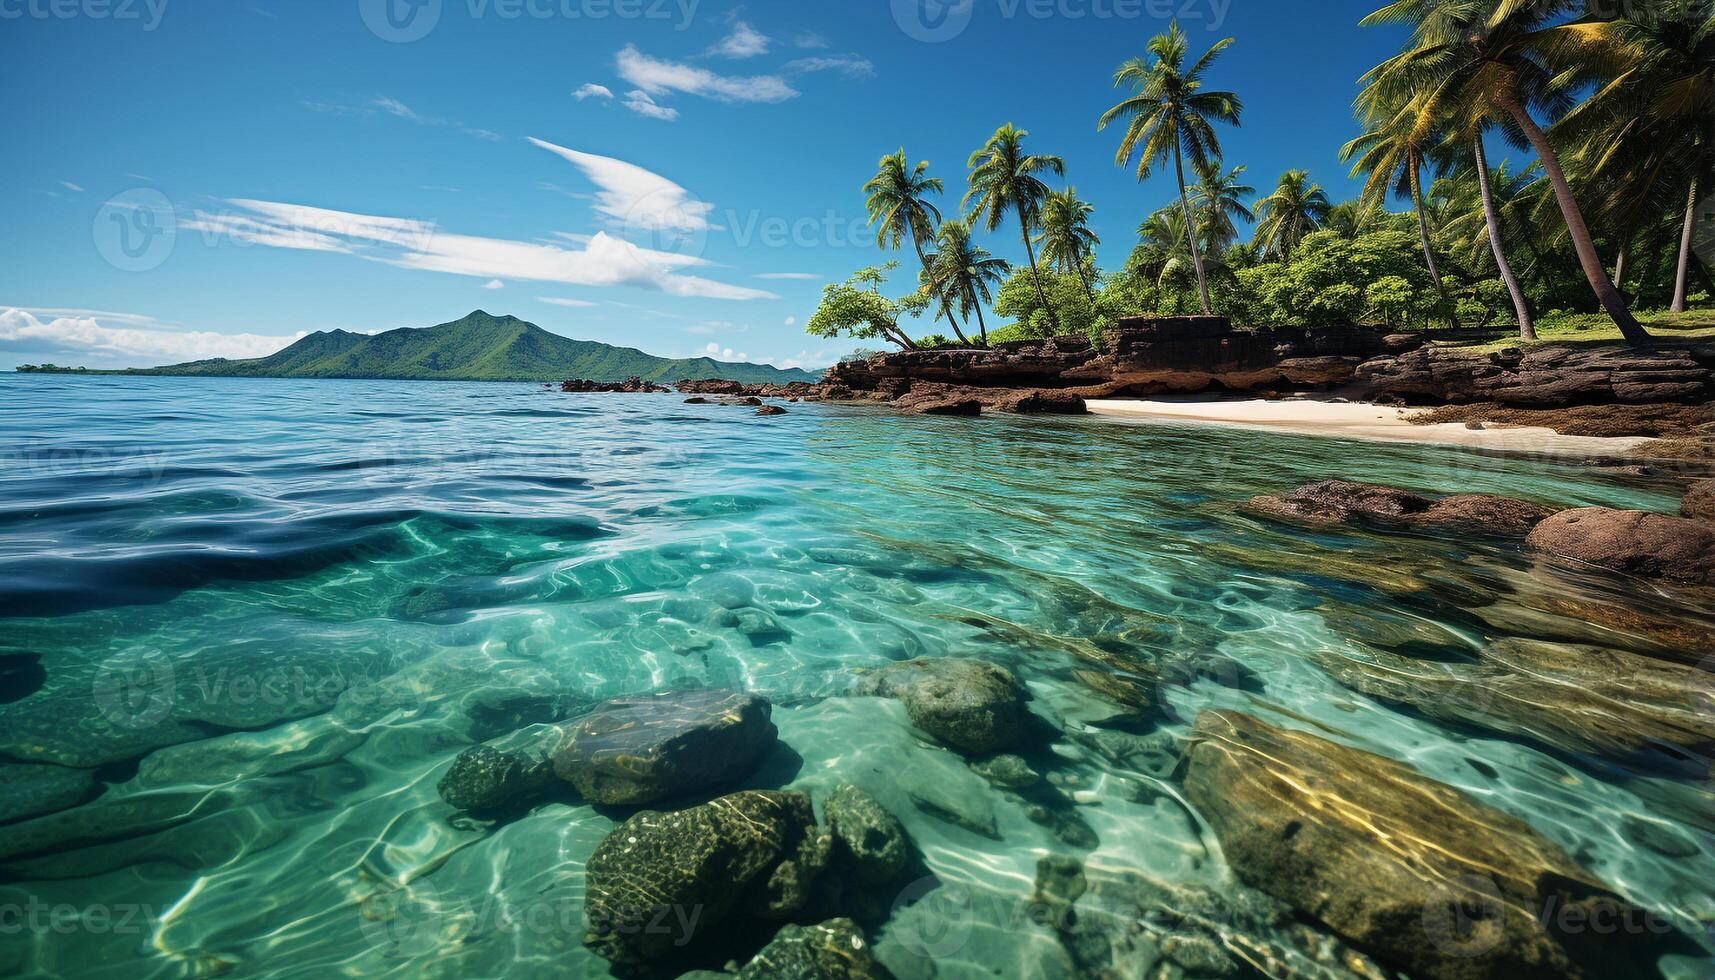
x: 1614, y: 101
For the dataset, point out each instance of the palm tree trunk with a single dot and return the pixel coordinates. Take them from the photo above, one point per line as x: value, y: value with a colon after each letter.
x: 981, y: 326
x: 1679, y: 281
x: 1526, y: 326
x: 1612, y: 302
x: 1086, y: 281
x: 935, y: 287
x: 1036, y: 277
x: 1191, y: 231
x: 1423, y: 232
x: 1620, y: 268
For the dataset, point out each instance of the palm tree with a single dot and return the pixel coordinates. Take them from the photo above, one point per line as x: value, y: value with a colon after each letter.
x: 1654, y: 113
x: 1393, y: 152
x: 1480, y: 225
x: 1500, y: 60
x: 967, y: 270
x: 1220, y: 198
x: 1170, y: 115
x: 898, y: 209
x: 1004, y: 178
x: 1351, y: 219
x: 1066, y: 239
x: 1295, y: 209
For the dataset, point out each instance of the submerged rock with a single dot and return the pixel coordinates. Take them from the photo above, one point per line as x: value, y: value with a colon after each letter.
x: 967, y: 704
x: 664, y: 882
x: 1699, y: 502
x: 632, y: 751
x: 771, y: 410
x: 1633, y: 542
x: 867, y: 838
x: 486, y: 778
x: 1576, y: 698
x: 834, y: 950
x: 31, y: 790
x: 1429, y: 879
x: 1342, y: 502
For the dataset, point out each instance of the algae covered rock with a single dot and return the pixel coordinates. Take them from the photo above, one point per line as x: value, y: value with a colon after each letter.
x: 870, y: 840
x: 487, y: 778
x: 967, y: 704
x: 632, y: 751
x: 1343, y: 502
x: 664, y: 882
x: 1425, y: 877
x: 28, y: 790
x: 833, y: 950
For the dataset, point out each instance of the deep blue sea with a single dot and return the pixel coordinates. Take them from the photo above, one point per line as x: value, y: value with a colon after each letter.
x: 257, y: 619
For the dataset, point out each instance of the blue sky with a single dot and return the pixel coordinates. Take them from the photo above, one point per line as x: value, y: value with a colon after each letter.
x: 214, y: 177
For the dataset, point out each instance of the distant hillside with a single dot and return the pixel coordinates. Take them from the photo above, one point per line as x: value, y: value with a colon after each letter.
x: 479, y: 347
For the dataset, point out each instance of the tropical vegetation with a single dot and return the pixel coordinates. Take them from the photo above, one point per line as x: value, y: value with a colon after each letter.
x: 1606, y: 111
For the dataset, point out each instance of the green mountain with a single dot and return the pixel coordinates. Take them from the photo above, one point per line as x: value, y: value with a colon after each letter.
x: 479, y: 347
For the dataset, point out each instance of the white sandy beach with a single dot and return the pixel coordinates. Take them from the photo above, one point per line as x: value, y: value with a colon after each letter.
x: 1324, y: 416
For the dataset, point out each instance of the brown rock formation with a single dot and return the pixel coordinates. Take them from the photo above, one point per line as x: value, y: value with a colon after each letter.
x: 1633, y: 542
x: 1699, y: 502
x: 1335, y: 502
x: 1546, y: 376
x: 630, y: 386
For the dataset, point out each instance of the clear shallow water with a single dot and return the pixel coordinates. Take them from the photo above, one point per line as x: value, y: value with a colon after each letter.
x: 343, y: 584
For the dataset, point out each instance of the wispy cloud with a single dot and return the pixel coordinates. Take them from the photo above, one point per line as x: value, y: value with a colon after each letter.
x: 68, y: 185
x: 85, y: 338
x: 634, y: 196
x: 393, y: 107
x: 560, y: 301
x: 810, y: 40
x: 638, y: 101
x: 592, y: 91
x: 744, y: 42
x: 658, y: 77
x: 604, y: 260
x: 849, y: 65
x: 494, y: 284
x: 711, y: 327
x: 805, y: 276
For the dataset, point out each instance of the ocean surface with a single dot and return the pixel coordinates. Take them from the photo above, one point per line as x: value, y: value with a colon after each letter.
x: 255, y: 620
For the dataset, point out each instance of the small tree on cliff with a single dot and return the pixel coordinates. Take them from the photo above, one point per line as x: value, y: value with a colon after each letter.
x: 855, y: 308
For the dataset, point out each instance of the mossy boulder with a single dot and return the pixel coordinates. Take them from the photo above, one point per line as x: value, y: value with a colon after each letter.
x: 1633, y: 542
x: 832, y: 950
x: 1342, y: 502
x: 632, y: 751
x: 970, y: 705
x: 867, y: 839
x: 1427, y: 878
x: 662, y: 883
x: 487, y: 778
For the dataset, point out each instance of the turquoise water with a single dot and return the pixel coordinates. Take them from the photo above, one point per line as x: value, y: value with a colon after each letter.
x: 347, y: 583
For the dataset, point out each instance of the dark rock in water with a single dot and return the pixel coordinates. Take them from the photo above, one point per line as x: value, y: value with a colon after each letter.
x: 833, y: 950
x: 1427, y: 878
x: 968, y: 704
x: 30, y: 790
x: 662, y: 883
x: 1632, y: 542
x: 771, y: 410
x: 935, y: 404
x: 632, y: 751
x: 1342, y: 502
x: 1043, y: 401
x: 867, y: 838
x: 1007, y: 772
x: 486, y: 778
x: 696, y: 400
x: 1699, y: 502
x: 630, y: 386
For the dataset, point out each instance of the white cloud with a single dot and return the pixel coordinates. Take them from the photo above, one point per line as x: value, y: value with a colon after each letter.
x: 494, y: 284
x: 803, y: 276
x: 711, y: 327
x: 658, y: 77
x: 635, y: 196
x: 68, y: 185
x: 394, y: 107
x: 592, y: 91
x: 638, y: 101
x: 744, y: 42
x: 720, y: 353
x: 808, y: 361
x: 557, y: 301
x: 849, y: 65
x: 602, y: 261
x: 810, y: 40
x: 791, y: 321
x: 85, y: 337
